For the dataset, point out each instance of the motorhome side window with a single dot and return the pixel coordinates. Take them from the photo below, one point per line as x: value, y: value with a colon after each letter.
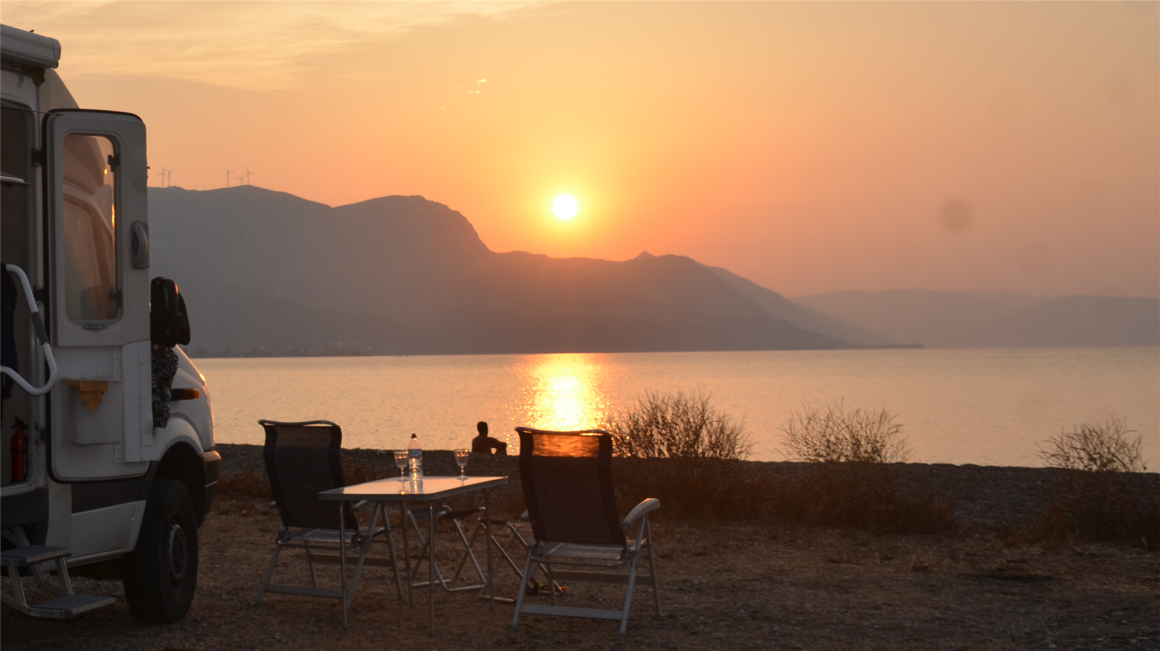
x: 90, y: 229
x: 15, y: 191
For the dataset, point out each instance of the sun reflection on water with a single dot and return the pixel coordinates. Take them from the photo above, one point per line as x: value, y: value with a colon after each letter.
x: 566, y: 391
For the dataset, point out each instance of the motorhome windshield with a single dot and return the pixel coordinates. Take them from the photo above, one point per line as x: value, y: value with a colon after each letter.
x: 90, y: 221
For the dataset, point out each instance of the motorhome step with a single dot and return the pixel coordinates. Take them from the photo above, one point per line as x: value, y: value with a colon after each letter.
x: 31, y: 555
x: 71, y: 606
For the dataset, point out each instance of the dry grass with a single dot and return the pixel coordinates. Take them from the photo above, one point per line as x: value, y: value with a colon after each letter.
x: 1103, y: 447
x: 856, y: 496
x: 676, y: 425
x: 1096, y: 502
x: 245, y: 484
x: 833, y: 434
x: 1100, y: 507
x: 252, y: 483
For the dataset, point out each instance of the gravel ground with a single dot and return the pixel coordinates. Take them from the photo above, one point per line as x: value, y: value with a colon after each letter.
x: 723, y: 586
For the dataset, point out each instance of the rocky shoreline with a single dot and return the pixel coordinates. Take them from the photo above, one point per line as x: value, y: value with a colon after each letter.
x: 987, y: 498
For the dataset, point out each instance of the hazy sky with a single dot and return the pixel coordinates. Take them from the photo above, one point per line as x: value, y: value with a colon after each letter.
x: 809, y: 147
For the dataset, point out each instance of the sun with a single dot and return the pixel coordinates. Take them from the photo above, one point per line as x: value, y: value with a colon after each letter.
x: 565, y: 207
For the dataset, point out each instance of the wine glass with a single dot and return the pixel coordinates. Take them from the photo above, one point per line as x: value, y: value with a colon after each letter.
x: 401, y: 458
x: 461, y: 457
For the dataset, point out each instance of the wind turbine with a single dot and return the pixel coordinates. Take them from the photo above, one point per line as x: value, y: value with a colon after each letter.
x: 247, y: 175
x: 228, y: 172
x: 168, y: 178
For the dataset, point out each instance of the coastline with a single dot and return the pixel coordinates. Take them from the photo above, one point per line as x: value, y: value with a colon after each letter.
x: 984, y: 498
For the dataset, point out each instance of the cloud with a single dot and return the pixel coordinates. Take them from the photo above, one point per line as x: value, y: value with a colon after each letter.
x: 482, y: 81
x: 254, y: 45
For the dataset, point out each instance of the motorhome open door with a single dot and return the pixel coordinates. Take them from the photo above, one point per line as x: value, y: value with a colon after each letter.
x: 96, y: 174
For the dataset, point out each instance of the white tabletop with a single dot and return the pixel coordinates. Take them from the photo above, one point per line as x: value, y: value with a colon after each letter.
x: 425, y: 490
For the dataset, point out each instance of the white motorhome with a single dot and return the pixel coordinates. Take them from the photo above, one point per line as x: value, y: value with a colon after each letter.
x: 108, y: 462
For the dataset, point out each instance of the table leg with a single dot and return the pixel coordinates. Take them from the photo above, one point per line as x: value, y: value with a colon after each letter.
x: 487, y: 542
x: 342, y: 558
x: 406, y: 553
x: 431, y: 560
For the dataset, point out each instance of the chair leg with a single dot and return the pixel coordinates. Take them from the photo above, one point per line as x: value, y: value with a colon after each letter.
x: 652, y: 568
x: 358, y: 568
x: 628, y: 596
x: 514, y: 535
x: 362, y: 557
x: 270, y: 570
x: 463, y: 559
x: 468, y: 554
x: 424, y: 555
x: 523, y: 582
x: 310, y: 563
x: 442, y: 580
x: 551, y: 584
x: 503, y: 549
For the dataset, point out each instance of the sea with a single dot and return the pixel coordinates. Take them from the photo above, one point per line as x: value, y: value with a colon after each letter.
x: 994, y: 407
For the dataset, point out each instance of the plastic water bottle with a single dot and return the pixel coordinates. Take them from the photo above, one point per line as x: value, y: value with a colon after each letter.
x: 415, y: 457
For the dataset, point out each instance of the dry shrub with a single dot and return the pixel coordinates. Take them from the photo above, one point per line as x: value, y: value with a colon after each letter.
x: 712, y: 489
x: 1102, y: 447
x: 1102, y: 507
x: 848, y: 495
x: 244, y: 485
x: 676, y: 425
x: 1098, y: 500
x: 860, y: 495
x: 833, y: 434
x: 357, y: 472
x: 252, y: 483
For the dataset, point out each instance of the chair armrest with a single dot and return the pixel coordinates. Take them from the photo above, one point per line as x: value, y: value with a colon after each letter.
x: 647, y: 506
x: 359, y: 504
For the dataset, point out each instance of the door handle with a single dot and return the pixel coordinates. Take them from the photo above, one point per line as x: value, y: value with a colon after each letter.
x: 139, y: 245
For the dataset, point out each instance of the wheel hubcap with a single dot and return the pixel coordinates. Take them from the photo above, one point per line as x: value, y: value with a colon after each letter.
x: 177, y: 552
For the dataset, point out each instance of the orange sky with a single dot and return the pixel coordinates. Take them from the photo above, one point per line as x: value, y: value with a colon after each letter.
x: 809, y: 147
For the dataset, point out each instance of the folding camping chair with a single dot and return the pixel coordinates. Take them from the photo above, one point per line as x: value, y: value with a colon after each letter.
x: 455, y: 516
x: 303, y: 459
x: 514, y: 544
x: 571, y: 500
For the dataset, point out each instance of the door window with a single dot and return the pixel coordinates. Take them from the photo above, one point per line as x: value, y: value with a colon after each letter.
x: 90, y: 229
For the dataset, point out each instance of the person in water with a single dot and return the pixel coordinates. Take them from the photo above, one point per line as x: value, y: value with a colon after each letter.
x: 485, y: 444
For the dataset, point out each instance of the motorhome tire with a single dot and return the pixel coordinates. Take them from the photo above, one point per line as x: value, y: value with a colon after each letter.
x: 161, y: 573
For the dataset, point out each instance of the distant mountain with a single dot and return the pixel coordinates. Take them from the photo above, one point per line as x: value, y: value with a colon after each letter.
x: 269, y: 273
x: 1078, y: 321
x: 802, y: 316
x: 995, y: 319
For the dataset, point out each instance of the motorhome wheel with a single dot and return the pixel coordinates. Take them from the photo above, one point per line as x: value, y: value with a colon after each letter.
x: 161, y: 574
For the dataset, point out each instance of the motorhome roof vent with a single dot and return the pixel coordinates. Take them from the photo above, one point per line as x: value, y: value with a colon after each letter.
x: 19, y: 46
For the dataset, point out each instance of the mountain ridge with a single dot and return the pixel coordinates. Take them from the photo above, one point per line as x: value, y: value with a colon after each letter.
x: 269, y: 273
x: 275, y: 274
x: 996, y: 319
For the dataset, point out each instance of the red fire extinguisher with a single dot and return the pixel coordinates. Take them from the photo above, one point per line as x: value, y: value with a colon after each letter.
x: 19, y: 451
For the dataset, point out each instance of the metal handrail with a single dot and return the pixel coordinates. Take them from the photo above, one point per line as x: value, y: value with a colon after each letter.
x: 41, y: 334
